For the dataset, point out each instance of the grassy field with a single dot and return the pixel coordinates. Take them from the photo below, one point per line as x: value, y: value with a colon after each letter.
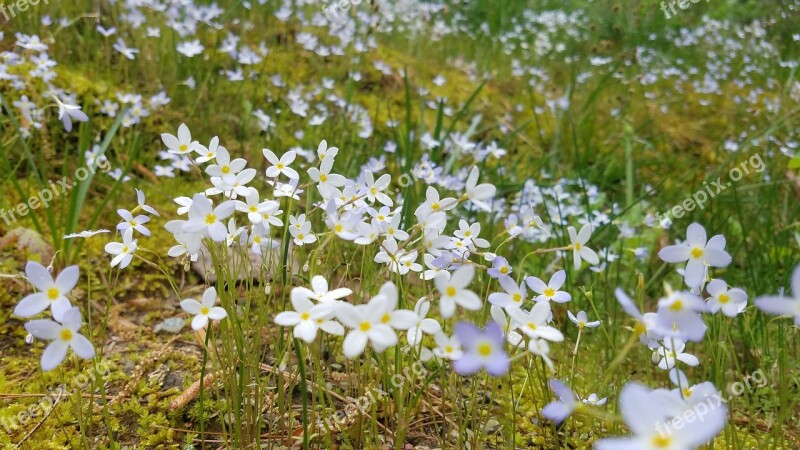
x: 500, y: 167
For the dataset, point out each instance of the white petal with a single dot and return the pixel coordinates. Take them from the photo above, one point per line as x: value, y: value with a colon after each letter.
x: 675, y: 253
x: 32, y: 305
x: 82, y: 346
x: 67, y: 279
x: 354, y: 344
x: 38, y: 275
x: 54, y: 354
x: 191, y: 306
x: 43, y: 329
x: 199, y: 322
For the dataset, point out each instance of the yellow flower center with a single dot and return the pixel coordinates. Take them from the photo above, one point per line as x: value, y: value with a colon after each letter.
x: 448, y: 349
x: 697, y: 252
x: 365, y: 326
x: 53, y: 293
x: 305, y: 316
x: 435, y: 206
x: 338, y: 228
x: 504, y: 270
x: 484, y: 349
x: 301, y: 236
x: 661, y: 441
x: 577, y: 246
x: 724, y: 298
x: 687, y: 393
x: 253, y: 208
x: 280, y: 166
x: 183, y: 147
x: 517, y: 297
x: 549, y: 292
x: 386, y: 318
x: 211, y: 219
x: 125, y: 249
x: 450, y: 291
x: 204, y: 310
x: 226, y: 169
x: 373, y: 190
x: 676, y: 306
x: 532, y: 326
x: 323, y: 177
x: 66, y: 334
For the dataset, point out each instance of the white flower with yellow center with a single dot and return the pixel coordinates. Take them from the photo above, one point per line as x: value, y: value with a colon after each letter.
x: 698, y: 253
x: 550, y: 291
x: 63, y: 336
x: 368, y: 324
x: 307, y: 318
x: 204, y: 310
x: 513, y: 296
x: 281, y: 165
x: 52, y: 293
x: 578, y: 246
x: 122, y: 252
x: 180, y: 145
x: 453, y: 291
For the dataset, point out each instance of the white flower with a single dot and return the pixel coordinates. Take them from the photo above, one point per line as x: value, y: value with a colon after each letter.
x: 141, y: 205
x: 730, y: 301
x: 781, y: 305
x: 582, y: 320
x: 678, y: 316
x: 324, y: 178
x: 281, y: 166
x: 123, y: 252
x: 307, y: 318
x: 469, y: 233
x: 86, y: 234
x: 181, y: 145
x: 374, y: 189
x: 541, y: 348
x: 367, y: 324
x: 319, y: 291
x: 479, y: 193
x: 425, y: 326
x: 513, y: 296
x: 649, y: 416
x: 433, y: 203
x: 205, y: 219
x: 225, y: 168
x: 454, y: 292
x: 670, y: 351
x: 447, y: 347
x: 202, y: 311
x: 499, y: 316
x: 578, y: 245
x: 51, y: 293
x: 303, y: 234
x: 698, y: 252
x: 68, y: 113
x: 130, y: 222
x: 63, y: 337
x: 550, y: 291
x: 534, y: 322
x: 208, y: 153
